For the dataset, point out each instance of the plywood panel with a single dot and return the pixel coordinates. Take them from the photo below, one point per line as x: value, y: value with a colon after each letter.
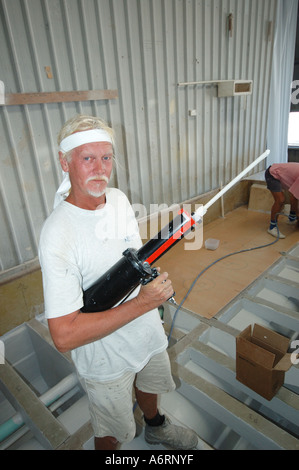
x: 239, y: 230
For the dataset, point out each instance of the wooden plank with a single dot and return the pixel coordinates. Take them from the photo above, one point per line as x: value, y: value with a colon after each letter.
x: 58, y: 97
x: 37, y: 416
x: 246, y: 422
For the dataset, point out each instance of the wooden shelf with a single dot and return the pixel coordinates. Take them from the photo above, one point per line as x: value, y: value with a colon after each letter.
x: 12, y: 99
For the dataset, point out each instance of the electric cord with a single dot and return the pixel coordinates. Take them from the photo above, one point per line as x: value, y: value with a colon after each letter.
x: 212, y: 264
x: 203, y: 271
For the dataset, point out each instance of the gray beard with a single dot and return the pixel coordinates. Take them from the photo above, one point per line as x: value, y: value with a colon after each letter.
x: 96, y: 193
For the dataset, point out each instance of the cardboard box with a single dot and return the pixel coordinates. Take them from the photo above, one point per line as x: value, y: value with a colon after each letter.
x: 262, y: 360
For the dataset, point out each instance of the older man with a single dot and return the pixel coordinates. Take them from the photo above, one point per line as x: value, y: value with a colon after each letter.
x: 281, y: 177
x: 123, y: 347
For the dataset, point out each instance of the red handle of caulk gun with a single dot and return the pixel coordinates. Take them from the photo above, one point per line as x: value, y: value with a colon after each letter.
x: 166, y: 238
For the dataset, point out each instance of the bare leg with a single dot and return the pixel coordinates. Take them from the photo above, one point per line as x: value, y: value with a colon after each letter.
x: 148, y: 403
x: 278, y: 204
x: 106, y: 443
x: 294, y: 204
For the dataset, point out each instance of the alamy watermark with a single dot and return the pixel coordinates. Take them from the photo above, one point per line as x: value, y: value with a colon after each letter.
x: 2, y: 352
x: 295, y: 354
x: 129, y: 222
x: 295, y: 94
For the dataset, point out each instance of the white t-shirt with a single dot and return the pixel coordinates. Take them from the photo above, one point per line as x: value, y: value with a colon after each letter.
x: 76, y: 247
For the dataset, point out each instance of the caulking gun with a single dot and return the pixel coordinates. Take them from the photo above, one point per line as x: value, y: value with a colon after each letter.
x: 134, y: 268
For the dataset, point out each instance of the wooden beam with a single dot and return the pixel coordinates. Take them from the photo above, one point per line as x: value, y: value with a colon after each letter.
x: 12, y: 99
x: 35, y: 414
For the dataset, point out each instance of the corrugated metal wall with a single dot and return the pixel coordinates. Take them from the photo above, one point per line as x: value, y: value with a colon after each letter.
x: 142, y: 48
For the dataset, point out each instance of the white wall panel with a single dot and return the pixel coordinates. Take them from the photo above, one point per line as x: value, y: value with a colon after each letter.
x: 142, y: 48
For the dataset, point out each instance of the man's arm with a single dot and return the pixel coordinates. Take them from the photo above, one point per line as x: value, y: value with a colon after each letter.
x: 76, y: 329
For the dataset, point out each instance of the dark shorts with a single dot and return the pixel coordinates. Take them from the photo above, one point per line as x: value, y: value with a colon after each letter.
x: 273, y: 184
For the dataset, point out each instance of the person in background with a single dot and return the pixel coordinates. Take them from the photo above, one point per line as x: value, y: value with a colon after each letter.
x: 122, y: 349
x: 280, y: 177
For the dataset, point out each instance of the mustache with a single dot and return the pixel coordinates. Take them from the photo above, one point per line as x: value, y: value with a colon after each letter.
x: 98, y: 178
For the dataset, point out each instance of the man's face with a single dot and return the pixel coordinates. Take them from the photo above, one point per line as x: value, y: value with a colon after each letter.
x: 90, y: 169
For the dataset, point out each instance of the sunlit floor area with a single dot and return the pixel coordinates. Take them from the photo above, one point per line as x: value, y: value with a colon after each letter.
x: 239, y: 230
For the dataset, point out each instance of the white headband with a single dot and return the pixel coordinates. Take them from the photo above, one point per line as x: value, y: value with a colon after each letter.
x: 84, y: 137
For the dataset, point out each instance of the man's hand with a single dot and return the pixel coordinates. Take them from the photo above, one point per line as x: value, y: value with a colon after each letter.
x: 156, y: 292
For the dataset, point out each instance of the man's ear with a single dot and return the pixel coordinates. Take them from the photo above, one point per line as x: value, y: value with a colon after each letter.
x: 63, y: 162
